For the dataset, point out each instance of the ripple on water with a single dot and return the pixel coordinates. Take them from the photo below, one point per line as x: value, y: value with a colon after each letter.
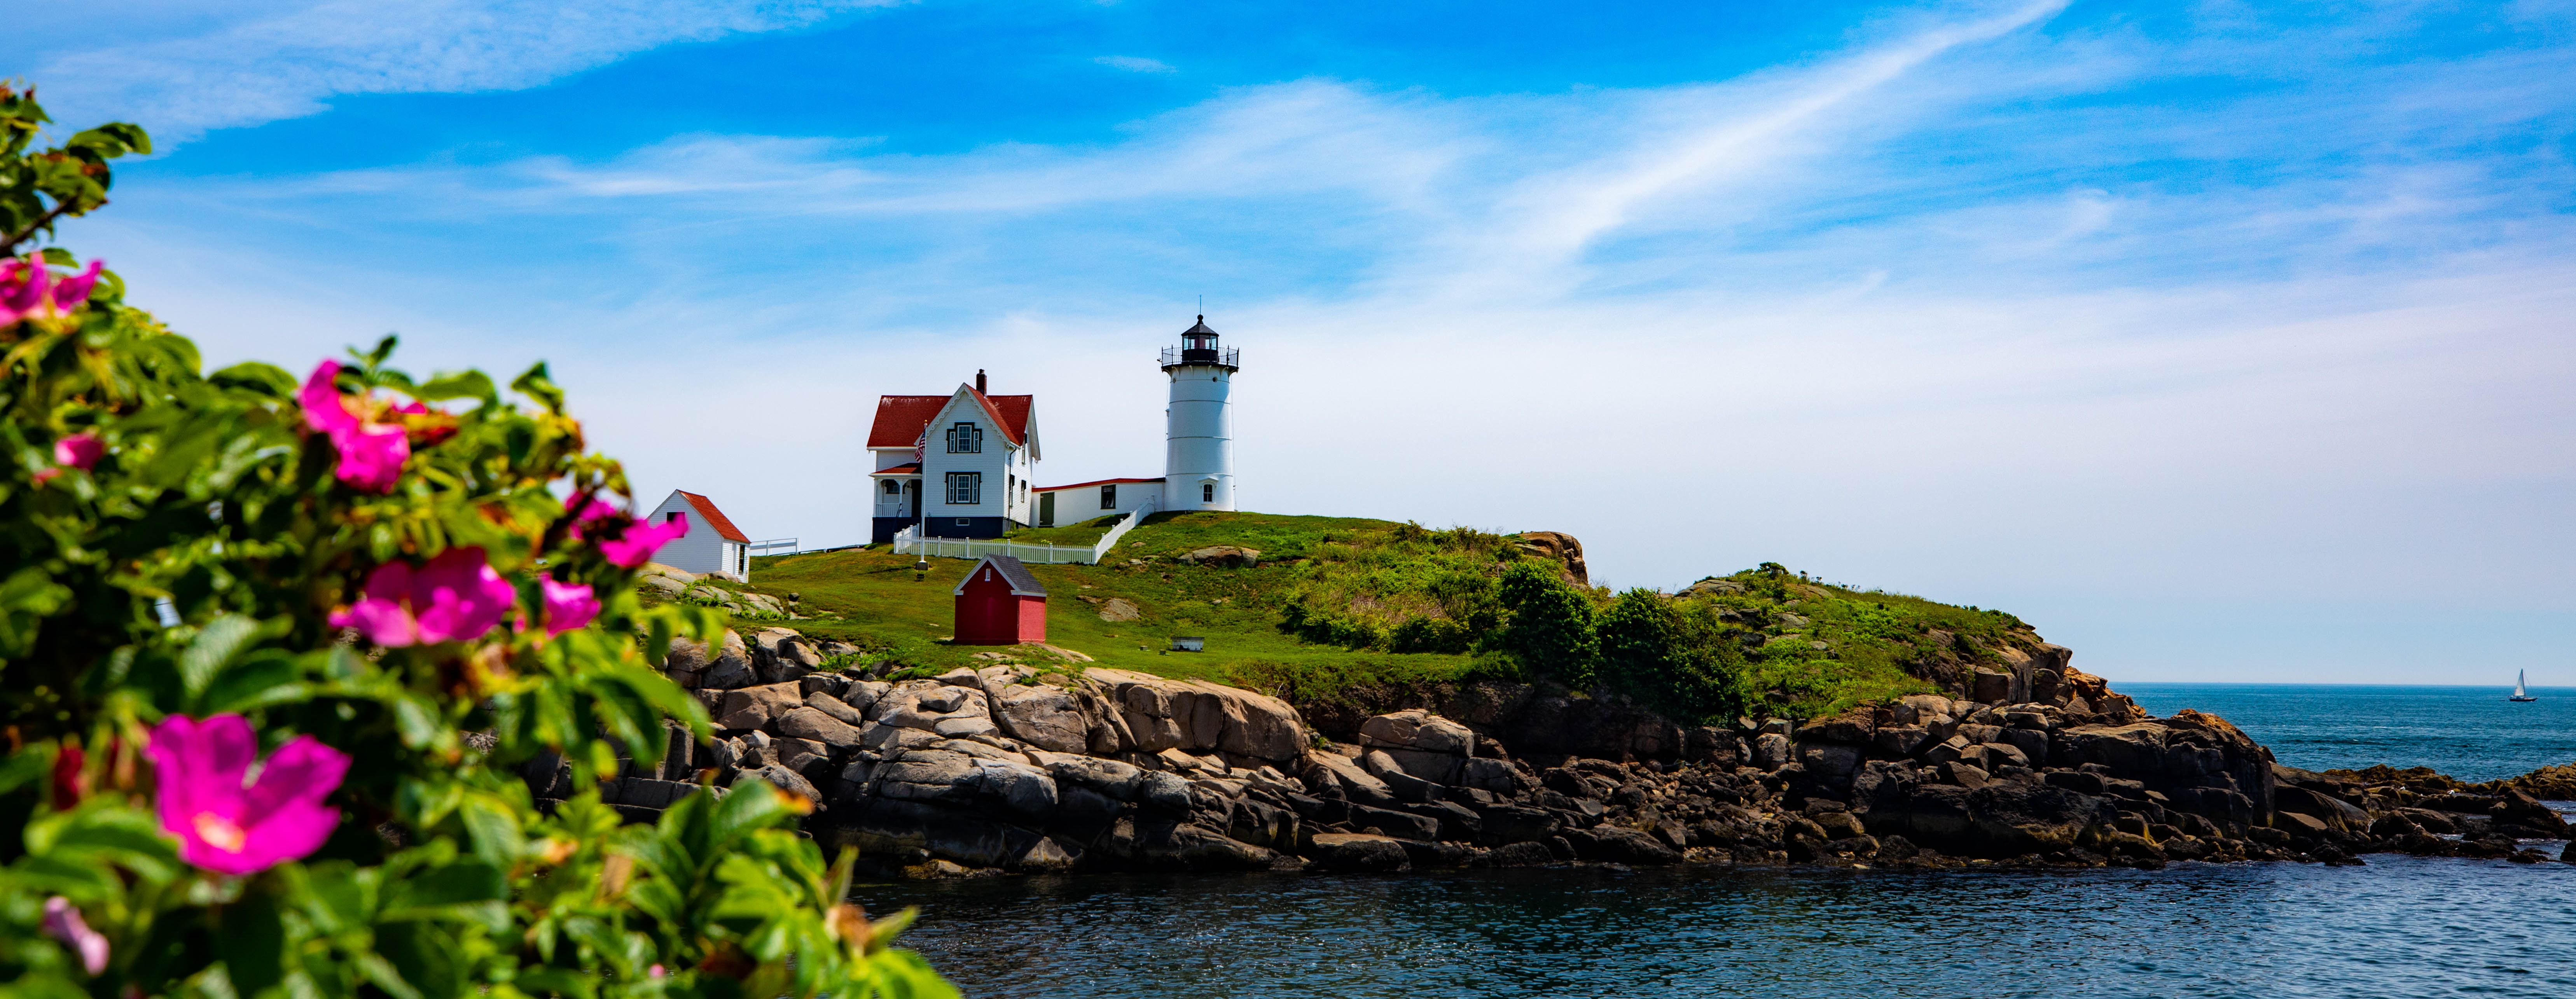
x: 2400, y: 927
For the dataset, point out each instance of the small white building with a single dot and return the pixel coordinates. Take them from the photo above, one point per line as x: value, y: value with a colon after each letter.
x: 1081, y: 501
x: 713, y: 545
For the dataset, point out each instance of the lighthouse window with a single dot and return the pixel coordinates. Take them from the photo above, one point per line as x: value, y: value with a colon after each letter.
x: 1207, y: 492
x: 1109, y: 497
x: 965, y: 488
x: 965, y: 438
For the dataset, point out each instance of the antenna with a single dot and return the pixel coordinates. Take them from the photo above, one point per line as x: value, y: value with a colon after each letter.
x: 1202, y: 305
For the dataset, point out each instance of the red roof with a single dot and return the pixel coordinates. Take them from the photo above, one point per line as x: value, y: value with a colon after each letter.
x: 911, y: 469
x: 715, y: 518
x: 1094, y: 482
x: 901, y: 418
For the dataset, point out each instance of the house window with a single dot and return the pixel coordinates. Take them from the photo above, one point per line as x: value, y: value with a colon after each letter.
x: 1207, y: 492
x: 965, y: 488
x: 1109, y: 496
x: 675, y: 518
x: 965, y: 438
x: 891, y: 488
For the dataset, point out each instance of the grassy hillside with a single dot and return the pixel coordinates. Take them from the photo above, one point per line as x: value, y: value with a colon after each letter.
x: 1338, y: 602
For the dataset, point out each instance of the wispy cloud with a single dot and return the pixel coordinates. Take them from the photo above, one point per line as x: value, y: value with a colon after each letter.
x: 1135, y: 64
x: 244, y: 70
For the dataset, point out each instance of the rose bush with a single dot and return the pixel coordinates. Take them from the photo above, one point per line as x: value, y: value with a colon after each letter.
x: 272, y: 649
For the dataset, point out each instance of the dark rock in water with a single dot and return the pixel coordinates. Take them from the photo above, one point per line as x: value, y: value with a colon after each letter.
x: 1625, y: 846
x: 1524, y: 854
x: 1356, y: 852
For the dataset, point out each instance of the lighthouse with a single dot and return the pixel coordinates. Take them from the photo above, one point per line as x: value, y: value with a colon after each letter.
x: 1198, y: 434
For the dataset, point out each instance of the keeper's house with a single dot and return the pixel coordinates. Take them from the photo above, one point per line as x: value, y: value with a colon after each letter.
x: 1000, y: 603
x: 713, y: 545
x: 957, y: 464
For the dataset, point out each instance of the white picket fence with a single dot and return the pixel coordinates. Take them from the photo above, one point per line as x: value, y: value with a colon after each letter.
x: 910, y: 542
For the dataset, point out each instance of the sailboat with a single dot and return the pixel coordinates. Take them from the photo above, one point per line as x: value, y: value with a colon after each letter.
x: 2519, y: 694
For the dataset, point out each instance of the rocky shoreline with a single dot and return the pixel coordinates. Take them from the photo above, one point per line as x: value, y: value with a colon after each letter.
x: 1037, y: 765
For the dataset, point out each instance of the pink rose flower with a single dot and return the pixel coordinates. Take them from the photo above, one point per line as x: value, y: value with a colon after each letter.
x: 371, y: 454
x: 78, y: 451
x: 455, y: 597
x: 568, y: 605
x: 28, y: 289
x: 63, y: 922
x: 73, y: 290
x: 640, y: 541
x: 226, y: 827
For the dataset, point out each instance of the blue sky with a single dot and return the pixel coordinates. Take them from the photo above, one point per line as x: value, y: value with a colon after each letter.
x: 2221, y: 341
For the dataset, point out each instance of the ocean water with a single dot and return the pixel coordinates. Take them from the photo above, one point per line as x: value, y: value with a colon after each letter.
x: 2400, y: 926
x: 2471, y: 733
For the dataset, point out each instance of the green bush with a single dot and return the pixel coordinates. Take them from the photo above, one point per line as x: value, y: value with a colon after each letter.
x: 1551, y: 627
x: 375, y: 583
x: 1685, y: 663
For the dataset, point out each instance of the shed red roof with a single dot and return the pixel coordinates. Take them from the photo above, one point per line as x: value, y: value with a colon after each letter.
x: 911, y: 469
x: 715, y: 518
x: 901, y: 418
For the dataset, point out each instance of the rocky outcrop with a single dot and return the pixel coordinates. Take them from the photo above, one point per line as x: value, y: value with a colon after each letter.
x: 1559, y: 546
x: 1222, y: 556
x: 1020, y: 768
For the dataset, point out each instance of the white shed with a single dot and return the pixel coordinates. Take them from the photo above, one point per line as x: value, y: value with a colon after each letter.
x: 1081, y: 501
x: 713, y: 545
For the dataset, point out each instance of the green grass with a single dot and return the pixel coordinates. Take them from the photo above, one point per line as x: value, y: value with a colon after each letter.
x: 1088, y: 532
x: 871, y: 597
x: 1365, y: 579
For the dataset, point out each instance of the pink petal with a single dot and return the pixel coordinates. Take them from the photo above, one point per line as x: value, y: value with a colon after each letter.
x: 568, y: 605
x: 78, y: 451
x: 27, y: 288
x: 371, y: 456
x: 383, y: 622
x: 75, y: 289
x: 304, y: 770
x: 199, y: 767
x: 459, y: 597
x: 323, y: 409
x: 641, y: 541
x: 63, y: 922
x: 390, y: 582
x: 292, y: 832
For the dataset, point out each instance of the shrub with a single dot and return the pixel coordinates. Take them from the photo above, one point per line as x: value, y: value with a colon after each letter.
x: 1551, y: 627
x: 374, y: 584
x: 1687, y: 665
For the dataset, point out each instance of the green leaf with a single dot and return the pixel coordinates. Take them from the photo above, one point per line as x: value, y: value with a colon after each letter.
x: 456, y: 385
x: 438, y: 893
x: 252, y: 938
x: 216, y: 646
x: 494, y: 828
x: 536, y: 384
x: 265, y: 679
x: 266, y: 379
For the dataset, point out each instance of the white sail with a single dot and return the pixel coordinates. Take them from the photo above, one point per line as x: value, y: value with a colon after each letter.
x: 2518, y: 676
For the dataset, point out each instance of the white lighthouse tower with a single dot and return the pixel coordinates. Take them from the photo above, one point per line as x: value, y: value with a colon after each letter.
x: 1198, y: 437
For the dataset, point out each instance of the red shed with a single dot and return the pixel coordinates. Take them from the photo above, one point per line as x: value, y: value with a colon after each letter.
x: 1000, y: 603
